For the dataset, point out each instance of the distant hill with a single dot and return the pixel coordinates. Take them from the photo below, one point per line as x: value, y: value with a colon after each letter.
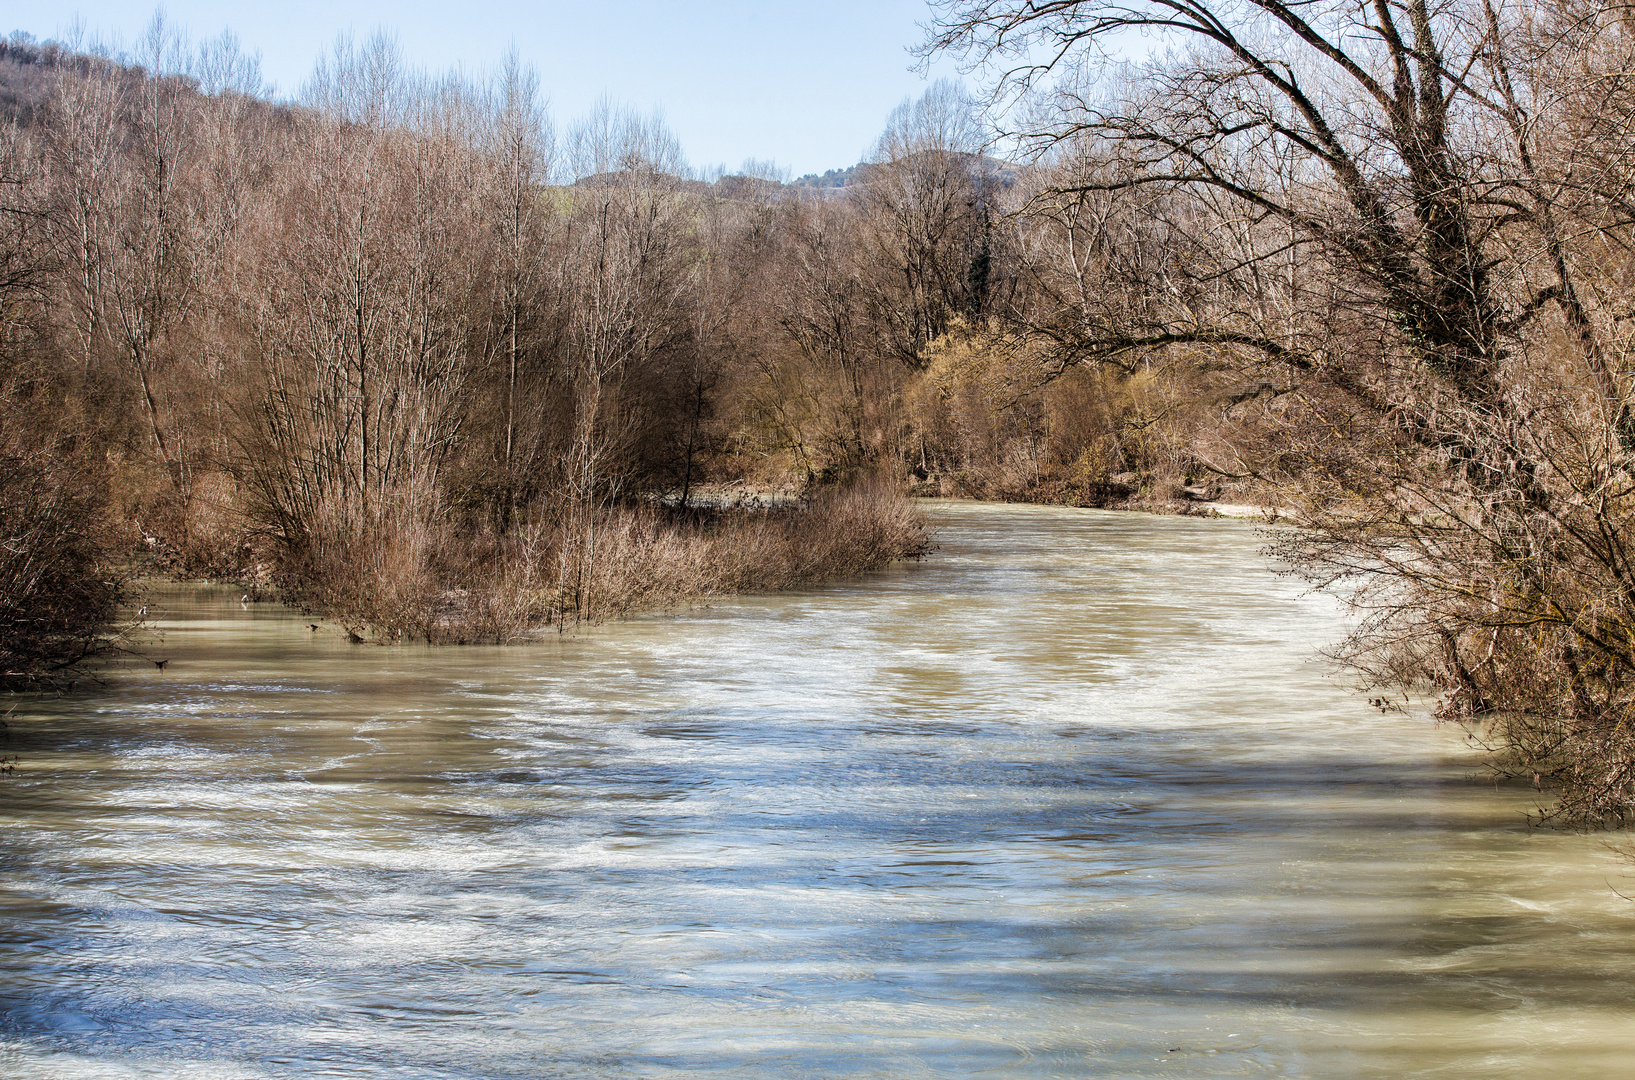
x: 23, y: 72
x: 832, y: 178
x: 832, y: 182
x: 1003, y: 171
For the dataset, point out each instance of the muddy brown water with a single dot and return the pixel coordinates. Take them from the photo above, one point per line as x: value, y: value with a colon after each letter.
x: 1071, y: 798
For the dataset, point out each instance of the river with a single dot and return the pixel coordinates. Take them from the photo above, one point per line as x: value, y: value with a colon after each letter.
x: 1071, y: 798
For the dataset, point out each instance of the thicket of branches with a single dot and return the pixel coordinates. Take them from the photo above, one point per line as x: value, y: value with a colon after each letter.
x: 1391, y: 240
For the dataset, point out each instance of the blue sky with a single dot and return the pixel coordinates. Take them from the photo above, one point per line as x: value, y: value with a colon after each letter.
x: 808, y: 85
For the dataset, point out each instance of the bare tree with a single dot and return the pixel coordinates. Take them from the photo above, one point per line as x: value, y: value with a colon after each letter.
x: 517, y: 143
x: 624, y: 280
x: 928, y: 199
x: 365, y: 328
x: 58, y: 590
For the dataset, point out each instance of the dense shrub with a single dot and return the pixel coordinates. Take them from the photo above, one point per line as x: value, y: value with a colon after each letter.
x: 59, y: 595
x: 410, y: 578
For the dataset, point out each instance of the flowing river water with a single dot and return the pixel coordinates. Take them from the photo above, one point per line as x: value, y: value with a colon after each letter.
x: 1071, y: 798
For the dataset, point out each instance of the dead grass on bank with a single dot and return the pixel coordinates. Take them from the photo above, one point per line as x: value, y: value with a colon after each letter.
x: 412, y: 580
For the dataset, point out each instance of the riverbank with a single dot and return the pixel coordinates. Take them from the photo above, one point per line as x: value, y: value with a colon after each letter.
x: 1126, y: 492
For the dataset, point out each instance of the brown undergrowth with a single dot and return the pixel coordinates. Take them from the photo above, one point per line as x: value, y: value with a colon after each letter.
x: 415, y: 581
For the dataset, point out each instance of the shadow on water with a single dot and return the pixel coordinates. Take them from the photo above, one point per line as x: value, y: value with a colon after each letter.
x: 1069, y: 799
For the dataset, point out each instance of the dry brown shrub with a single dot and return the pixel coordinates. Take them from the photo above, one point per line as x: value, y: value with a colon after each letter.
x: 409, y: 577
x: 59, y: 591
x: 375, y: 577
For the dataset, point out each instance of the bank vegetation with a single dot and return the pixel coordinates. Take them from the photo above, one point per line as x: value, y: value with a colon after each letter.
x: 399, y: 352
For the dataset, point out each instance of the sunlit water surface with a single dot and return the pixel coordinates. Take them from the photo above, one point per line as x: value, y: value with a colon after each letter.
x: 1072, y: 798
